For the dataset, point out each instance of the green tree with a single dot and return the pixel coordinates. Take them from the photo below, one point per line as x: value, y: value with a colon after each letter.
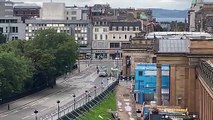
x: 52, y: 54
x: 14, y: 72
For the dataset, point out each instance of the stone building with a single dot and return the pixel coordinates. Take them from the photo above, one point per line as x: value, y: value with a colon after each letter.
x: 204, y: 18
x: 183, y: 56
x: 138, y: 50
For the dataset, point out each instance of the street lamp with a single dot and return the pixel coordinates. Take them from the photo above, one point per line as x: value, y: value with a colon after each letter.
x: 35, y: 114
x: 102, y: 87
x: 95, y: 90
x: 86, y: 95
x: 58, y: 108
x: 74, y: 100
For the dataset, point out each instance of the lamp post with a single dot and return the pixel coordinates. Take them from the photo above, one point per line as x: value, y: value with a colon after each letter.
x: 58, y: 108
x: 95, y: 90
x: 86, y: 95
x: 102, y: 87
x: 74, y: 100
x: 36, y: 114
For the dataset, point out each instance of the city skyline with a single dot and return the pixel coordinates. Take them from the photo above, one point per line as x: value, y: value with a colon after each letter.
x: 165, y: 4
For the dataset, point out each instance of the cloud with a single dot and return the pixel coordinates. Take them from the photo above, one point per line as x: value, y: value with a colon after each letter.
x: 168, y: 4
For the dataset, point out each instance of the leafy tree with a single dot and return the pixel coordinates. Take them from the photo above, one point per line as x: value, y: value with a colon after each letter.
x: 52, y: 54
x: 14, y: 72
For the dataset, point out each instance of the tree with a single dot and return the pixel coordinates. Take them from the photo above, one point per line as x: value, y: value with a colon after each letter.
x: 52, y: 54
x: 14, y: 72
x: 2, y: 38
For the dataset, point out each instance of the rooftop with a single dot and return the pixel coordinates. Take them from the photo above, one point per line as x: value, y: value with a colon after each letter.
x: 173, y: 46
x: 26, y: 5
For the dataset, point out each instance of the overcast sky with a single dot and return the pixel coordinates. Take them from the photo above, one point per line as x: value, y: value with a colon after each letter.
x: 167, y: 4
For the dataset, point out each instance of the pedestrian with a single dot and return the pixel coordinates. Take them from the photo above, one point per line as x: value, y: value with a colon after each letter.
x: 97, y: 71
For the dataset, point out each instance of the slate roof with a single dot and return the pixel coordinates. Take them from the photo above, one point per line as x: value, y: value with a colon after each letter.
x: 173, y: 46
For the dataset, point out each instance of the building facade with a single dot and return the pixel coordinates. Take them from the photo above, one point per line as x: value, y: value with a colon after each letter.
x: 138, y: 50
x: 49, y: 11
x: 77, y: 13
x: 79, y: 29
x: 204, y: 18
x: 6, y: 8
x: 109, y: 35
x: 12, y: 28
x: 26, y: 11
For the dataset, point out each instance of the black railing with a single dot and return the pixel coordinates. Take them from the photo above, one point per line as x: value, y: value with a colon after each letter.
x: 206, y: 72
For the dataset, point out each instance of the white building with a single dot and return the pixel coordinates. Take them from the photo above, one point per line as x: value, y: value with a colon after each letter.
x: 53, y: 11
x: 108, y: 37
x: 79, y: 29
x: 77, y: 13
x: 12, y: 28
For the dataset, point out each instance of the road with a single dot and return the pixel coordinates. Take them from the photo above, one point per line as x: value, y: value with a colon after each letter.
x: 45, y: 101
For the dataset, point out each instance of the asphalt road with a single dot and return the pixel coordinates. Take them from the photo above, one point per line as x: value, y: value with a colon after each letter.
x: 45, y: 101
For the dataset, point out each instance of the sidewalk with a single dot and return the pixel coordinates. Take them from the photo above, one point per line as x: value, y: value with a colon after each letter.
x: 125, y: 102
x: 23, y: 102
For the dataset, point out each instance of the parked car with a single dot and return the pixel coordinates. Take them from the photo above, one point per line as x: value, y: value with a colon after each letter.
x: 102, y: 73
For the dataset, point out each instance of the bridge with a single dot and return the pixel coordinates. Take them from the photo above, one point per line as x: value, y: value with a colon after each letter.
x: 204, y: 95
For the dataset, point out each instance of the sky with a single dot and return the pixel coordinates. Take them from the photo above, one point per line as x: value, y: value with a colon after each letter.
x: 166, y: 4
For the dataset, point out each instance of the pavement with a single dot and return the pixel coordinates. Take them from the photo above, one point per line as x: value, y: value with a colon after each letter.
x: 45, y: 101
x: 125, y: 101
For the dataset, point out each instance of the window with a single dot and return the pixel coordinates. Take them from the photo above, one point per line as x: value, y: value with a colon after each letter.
x: 96, y: 30
x: 106, y: 37
x: 130, y: 28
x: 73, y: 18
x: 119, y: 37
x: 73, y: 12
x: 96, y: 37
x: 104, y: 29
x: 119, y: 28
x: 101, y: 37
x: 13, y: 29
x: 125, y: 36
x: 114, y: 45
x: 140, y: 73
x: 113, y: 28
x: 125, y: 28
x: 137, y: 28
x: 113, y: 37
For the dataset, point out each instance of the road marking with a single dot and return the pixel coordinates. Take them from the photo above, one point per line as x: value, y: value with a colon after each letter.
x: 25, y: 107
x: 4, y: 115
x: 25, y: 117
x: 14, y: 112
x: 33, y: 104
x: 43, y: 109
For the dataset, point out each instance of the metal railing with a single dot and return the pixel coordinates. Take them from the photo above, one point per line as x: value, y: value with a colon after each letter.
x: 92, y: 94
x: 206, y: 71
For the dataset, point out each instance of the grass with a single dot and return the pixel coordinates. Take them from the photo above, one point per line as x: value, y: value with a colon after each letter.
x: 102, y: 109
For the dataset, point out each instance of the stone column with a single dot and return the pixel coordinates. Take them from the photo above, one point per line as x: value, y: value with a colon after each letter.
x: 191, y: 89
x: 159, y: 85
x: 172, y: 85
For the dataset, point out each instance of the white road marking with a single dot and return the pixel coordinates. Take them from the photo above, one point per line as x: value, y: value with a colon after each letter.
x: 43, y: 109
x: 4, y: 115
x: 25, y: 117
x: 14, y: 112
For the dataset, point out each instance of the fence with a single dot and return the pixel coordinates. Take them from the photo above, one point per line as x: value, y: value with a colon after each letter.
x: 80, y: 104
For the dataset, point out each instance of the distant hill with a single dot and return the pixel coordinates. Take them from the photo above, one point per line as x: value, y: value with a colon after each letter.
x: 164, y: 13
